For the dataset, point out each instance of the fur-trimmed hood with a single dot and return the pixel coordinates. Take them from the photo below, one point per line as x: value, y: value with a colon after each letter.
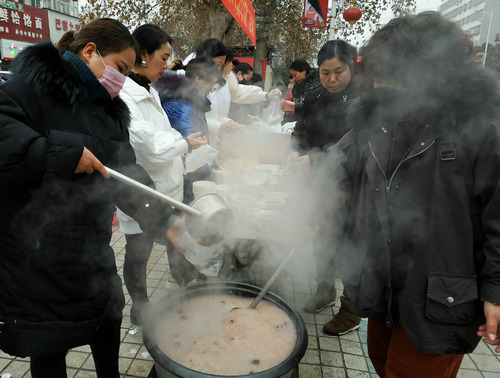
x: 68, y: 80
x: 44, y: 70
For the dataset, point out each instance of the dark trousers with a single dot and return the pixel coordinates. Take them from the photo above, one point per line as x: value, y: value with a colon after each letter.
x: 137, y: 252
x: 105, y: 348
x: 393, y: 354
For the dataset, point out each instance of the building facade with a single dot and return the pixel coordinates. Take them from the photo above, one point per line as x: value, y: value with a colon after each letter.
x: 26, y: 22
x: 479, y: 18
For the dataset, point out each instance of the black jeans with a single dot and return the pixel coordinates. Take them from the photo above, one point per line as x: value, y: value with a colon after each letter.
x: 105, y: 350
x: 137, y: 252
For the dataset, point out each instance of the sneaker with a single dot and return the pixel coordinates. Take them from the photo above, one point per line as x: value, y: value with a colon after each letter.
x: 139, y: 313
x: 324, y: 297
x: 344, y: 321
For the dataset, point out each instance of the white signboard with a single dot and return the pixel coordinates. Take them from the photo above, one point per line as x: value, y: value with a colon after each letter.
x: 60, y: 23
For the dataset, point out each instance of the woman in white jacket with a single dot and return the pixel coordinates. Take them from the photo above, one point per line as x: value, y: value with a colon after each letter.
x: 232, y: 91
x: 159, y: 149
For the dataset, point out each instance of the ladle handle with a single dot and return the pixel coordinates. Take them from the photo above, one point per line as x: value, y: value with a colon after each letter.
x: 136, y: 184
x: 273, y: 278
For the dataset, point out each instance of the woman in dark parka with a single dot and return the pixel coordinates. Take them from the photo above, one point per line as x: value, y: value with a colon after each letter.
x: 60, y: 121
x: 321, y: 124
x: 414, y: 197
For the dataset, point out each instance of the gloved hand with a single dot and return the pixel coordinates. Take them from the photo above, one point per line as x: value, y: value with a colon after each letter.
x: 274, y: 94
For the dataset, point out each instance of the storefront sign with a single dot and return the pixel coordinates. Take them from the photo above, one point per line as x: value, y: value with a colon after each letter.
x: 61, y: 23
x: 21, y: 22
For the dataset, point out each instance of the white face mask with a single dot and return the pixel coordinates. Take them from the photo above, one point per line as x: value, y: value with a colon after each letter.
x: 111, y: 79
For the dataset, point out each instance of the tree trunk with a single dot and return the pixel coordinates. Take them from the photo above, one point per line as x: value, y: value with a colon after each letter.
x: 260, y: 52
x: 220, y: 23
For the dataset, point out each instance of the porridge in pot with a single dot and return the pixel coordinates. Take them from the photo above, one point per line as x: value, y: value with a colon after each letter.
x: 203, y: 335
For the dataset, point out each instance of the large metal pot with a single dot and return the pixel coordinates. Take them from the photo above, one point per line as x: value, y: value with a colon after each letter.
x: 166, y: 367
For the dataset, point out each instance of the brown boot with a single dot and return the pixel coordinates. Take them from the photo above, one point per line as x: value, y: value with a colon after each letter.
x: 324, y: 297
x: 344, y: 321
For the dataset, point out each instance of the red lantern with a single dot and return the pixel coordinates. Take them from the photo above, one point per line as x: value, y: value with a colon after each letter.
x: 352, y: 14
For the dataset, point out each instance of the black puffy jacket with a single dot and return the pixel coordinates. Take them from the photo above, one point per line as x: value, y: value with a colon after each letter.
x: 322, y: 120
x: 58, y: 276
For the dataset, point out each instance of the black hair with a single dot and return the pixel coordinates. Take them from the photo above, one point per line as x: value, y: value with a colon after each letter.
x: 108, y: 34
x: 300, y: 65
x: 150, y: 38
x: 417, y: 51
x: 203, y: 67
x: 229, y: 54
x: 339, y: 49
x: 212, y: 48
x: 243, y: 67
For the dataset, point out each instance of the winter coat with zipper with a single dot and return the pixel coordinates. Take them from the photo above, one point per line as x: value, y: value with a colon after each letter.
x: 58, y: 276
x: 322, y: 121
x: 158, y: 147
x: 419, y: 242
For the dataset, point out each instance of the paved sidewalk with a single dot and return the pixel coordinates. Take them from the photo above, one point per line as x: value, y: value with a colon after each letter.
x: 326, y: 356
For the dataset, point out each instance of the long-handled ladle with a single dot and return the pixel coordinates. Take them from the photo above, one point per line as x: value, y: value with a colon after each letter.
x: 269, y: 283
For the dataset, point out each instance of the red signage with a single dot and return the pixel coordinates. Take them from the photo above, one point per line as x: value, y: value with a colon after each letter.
x: 66, y: 25
x: 244, y: 14
x: 315, y: 13
x: 22, y: 22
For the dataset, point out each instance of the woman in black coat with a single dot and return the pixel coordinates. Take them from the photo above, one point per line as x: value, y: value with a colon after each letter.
x: 60, y: 121
x: 305, y: 79
x: 321, y: 124
x: 322, y: 120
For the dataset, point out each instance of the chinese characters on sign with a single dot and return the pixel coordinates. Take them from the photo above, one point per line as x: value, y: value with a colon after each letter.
x: 21, y: 22
x: 244, y: 14
x: 65, y: 25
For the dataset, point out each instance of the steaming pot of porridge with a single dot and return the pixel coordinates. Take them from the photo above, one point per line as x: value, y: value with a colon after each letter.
x: 192, y: 334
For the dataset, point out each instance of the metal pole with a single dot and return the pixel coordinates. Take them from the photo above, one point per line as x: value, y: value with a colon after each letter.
x: 333, y: 20
x: 487, y: 38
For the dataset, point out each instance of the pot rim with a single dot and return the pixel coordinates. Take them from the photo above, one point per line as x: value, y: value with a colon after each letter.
x: 226, y: 287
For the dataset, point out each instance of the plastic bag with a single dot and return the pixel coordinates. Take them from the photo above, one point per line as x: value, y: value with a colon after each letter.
x: 199, y: 157
x: 275, y: 114
x: 207, y: 260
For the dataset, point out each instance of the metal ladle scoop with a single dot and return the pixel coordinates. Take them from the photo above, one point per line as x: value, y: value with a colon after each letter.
x: 208, y: 219
x: 269, y: 283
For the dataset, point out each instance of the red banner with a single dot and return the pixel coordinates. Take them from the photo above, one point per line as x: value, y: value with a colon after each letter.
x: 315, y: 13
x: 22, y: 22
x: 244, y: 14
